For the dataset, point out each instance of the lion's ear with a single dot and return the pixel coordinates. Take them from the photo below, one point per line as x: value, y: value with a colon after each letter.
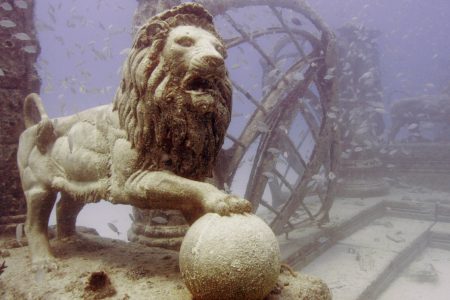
x: 150, y: 31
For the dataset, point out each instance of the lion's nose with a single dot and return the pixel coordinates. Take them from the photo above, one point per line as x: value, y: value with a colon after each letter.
x: 212, y: 61
x: 207, y: 62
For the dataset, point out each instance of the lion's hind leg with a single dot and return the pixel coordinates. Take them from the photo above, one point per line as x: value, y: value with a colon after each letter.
x: 67, y: 210
x: 40, y: 201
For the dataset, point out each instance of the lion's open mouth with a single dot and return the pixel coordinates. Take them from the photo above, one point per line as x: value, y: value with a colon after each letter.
x: 199, y: 85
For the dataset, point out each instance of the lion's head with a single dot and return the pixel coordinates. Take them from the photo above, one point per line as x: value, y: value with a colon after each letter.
x: 174, y: 100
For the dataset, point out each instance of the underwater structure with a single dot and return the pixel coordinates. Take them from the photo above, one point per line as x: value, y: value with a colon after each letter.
x: 18, y: 77
x: 361, y: 113
x: 419, y: 140
x: 304, y: 145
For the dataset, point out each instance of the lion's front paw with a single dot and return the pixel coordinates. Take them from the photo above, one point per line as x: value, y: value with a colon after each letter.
x: 227, y: 204
x: 220, y: 203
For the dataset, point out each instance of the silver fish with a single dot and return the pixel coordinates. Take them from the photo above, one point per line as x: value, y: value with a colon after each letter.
x: 113, y: 228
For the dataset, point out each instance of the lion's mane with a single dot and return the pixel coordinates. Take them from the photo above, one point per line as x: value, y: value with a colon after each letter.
x: 141, y: 75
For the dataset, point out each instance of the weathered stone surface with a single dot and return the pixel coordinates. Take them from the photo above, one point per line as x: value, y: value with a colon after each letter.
x: 158, y: 228
x: 230, y: 257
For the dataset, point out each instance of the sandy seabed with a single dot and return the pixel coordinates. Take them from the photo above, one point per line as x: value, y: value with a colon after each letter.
x: 91, y: 267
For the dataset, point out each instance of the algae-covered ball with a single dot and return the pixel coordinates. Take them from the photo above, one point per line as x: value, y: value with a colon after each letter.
x: 230, y: 257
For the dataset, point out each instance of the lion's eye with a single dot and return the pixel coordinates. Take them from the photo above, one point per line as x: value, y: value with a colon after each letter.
x: 185, y: 41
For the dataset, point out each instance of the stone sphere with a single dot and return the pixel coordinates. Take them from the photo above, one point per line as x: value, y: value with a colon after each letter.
x: 230, y: 257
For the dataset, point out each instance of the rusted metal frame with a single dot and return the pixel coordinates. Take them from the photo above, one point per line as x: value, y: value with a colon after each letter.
x: 270, y: 101
x: 316, y: 101
x: 315, y: 43
x: 277, y: 111
x: 267, y: 205
x: 294, y: 68
x: 267, y: 159
x: 295, y: 225
x: 283, y: 179
x: 275, y: 191
x: 255, y: 45
x: 334, y: 162
x: 257, y: 180
x: 300, y: 191
x: 306, y: 35
x: 288, y: 30
x: 328, y: 96
x: 302, y: 140
x: 235, y: 140
x: 328, y: 92
x: 313, y: 167
x: 220, y: 7
x: 292, y: 189
x: 255, y: 189
x: 248, y: 39
x: 324, y: 104
x: 309, y: 117
x: 284, y: 41
x: 264, y: 160
x: 311, y: 121
x: 335, y: 155
x: 233, y: 42
x: 299, y: 6
x: 249, y: 97
x: 292, y: 149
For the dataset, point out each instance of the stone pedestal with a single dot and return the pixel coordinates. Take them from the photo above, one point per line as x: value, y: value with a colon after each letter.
x: 158, y: 228
x: 18, y: 77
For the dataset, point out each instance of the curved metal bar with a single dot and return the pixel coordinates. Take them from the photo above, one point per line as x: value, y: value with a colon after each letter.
x: 233, y: 42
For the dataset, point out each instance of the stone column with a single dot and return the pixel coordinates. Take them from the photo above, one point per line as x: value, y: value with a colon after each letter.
x: 361, y: 105
x: 19, y: 49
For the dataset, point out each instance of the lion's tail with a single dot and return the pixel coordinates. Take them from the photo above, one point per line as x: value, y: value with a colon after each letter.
x: 32, y: 102
x: 45, y: 132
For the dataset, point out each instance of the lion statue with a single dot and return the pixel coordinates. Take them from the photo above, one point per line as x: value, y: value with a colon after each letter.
x: 151, y: 148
